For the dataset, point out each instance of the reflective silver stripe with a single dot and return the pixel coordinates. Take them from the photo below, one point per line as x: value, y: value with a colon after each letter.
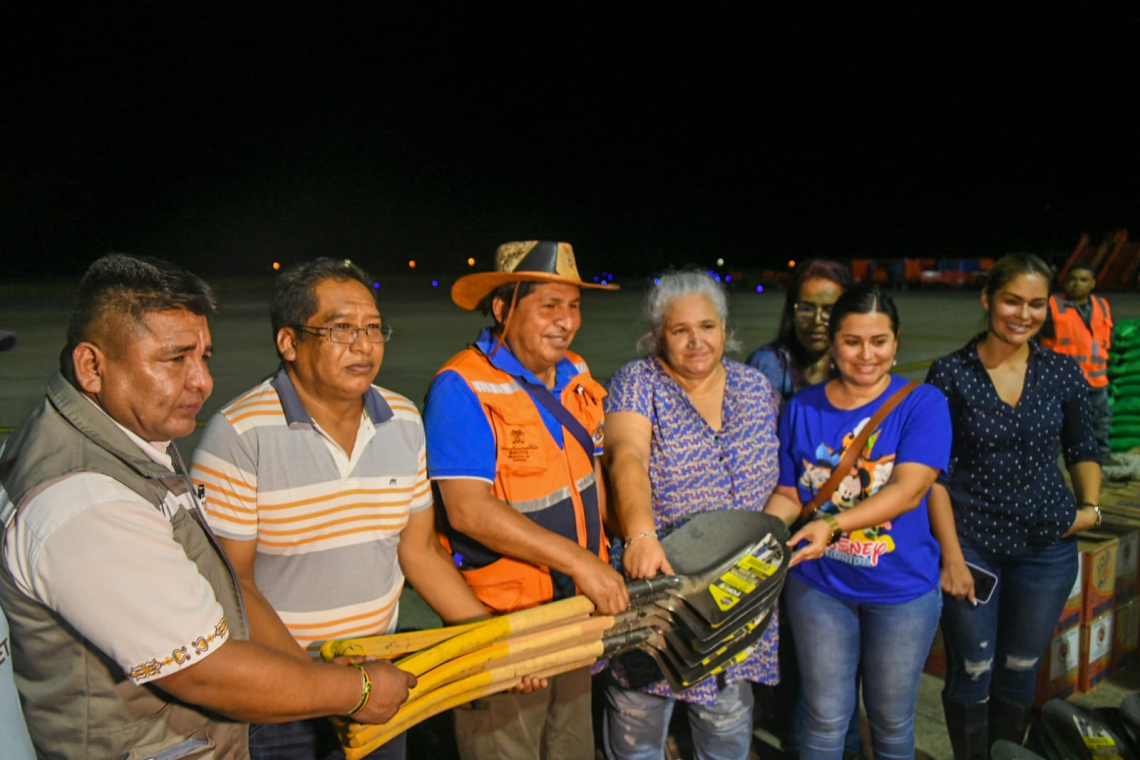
x: 1060, y: 304
x: 1065, y: 341
x: 585, y: 482
x: 537, y: 505
x: 506, y: 388
x: 1098, y: 372
x: 1081, y: 359
x: 581, y: 367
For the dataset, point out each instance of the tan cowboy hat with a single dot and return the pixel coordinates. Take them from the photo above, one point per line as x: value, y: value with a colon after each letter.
x: 525, y: 261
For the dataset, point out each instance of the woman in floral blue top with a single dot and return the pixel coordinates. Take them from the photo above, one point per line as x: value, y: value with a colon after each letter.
x: 687, y: 430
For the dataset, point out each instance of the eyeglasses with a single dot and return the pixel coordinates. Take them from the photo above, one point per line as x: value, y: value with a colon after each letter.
x: 346, y: 334
x: 807, y: 311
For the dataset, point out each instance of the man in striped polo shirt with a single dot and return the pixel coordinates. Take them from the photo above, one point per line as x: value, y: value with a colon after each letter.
x: 316, y: 484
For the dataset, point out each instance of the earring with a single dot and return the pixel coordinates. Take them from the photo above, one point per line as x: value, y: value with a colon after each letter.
x: 895, y: 362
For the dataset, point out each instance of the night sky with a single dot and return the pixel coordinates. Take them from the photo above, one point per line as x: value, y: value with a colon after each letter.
x: 226, y: 136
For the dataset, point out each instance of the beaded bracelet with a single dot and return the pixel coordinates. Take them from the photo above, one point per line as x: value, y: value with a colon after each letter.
x: 365, y: 692
x: 642, y: 534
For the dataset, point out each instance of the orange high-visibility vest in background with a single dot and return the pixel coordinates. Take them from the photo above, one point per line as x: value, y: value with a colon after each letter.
x: 1087, y: 344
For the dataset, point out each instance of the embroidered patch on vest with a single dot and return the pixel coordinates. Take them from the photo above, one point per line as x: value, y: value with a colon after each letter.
x: 519, y: 450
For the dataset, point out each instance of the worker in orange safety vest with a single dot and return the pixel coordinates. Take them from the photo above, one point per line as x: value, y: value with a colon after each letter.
x: 1080, y: 324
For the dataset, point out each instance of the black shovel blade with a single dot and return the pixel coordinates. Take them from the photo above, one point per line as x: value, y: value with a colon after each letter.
x: 727, y: 596
x: 681, y: 677
x: 1081, y: 734
x: 1004, y: 749
x: 700, y: 633
x: 1130, y: 719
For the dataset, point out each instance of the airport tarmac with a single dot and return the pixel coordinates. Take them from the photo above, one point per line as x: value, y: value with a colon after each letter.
x: 428, y: 329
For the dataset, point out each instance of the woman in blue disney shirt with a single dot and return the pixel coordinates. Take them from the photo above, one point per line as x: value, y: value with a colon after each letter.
x: 870, y: 596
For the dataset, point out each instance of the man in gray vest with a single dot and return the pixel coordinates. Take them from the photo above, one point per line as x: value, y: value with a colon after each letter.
x: 15, y: 742
x: 128, y: 627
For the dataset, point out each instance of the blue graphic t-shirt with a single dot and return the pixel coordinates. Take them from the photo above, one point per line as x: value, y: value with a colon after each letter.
x: 889, y: 563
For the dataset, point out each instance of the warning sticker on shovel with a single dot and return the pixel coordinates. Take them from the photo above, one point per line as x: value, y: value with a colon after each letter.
x: 740, y: 580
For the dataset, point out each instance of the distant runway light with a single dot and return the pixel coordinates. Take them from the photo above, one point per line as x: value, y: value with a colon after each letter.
x: 435, y: 283
x: 792, y: 264
x: 728, y: 278
x: 595, y: 278
x: 376, y: 285
x: 471, y: 262
x: 759, y: 288
x: 276, y: 265
x: 348, y: 262
x: 412, y: 264
x: 720, y: 262
x: 656, y: 280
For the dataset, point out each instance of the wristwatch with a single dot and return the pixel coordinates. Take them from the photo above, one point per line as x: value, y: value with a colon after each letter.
x: 836, y: 531
x: 1099, y: 514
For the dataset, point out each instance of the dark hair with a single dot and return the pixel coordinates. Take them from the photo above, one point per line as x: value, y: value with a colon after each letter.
x: 863, y: 299
x: 823, y: 269
x: 294, y: 299
x: 127, y: 288
x: 506, y: 292
x: 1014, y: 265
x: 1085, y: 265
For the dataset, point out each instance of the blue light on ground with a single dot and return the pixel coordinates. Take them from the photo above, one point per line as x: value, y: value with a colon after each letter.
x: 759, y: 288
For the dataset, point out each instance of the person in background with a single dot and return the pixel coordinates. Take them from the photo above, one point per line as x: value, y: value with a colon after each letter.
x: 869, y: 599
x: 316, y: 484
x: 799, y: 357
x: 799, y: 354
x: 17, y: 744
x: 1079, y: 324
x: 514, y: 437
x: 1013, y: 405
x: 688, y: 430
x: 128, y: 627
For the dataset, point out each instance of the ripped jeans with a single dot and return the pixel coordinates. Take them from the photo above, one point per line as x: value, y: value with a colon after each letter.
x: 995, y: 648
x: 637, y: 724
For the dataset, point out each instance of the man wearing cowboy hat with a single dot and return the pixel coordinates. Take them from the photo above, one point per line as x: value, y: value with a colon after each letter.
x: 514, y: 432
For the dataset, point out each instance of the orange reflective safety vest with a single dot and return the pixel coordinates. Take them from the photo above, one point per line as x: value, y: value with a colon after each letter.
x: 552, y: 485
x: 1087, y: 344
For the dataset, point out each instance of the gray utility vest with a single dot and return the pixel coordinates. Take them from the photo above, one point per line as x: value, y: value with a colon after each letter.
x: 78, y: 703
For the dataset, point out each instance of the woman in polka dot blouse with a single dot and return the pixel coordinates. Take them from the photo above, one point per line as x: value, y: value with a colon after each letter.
x: 1013, y: 406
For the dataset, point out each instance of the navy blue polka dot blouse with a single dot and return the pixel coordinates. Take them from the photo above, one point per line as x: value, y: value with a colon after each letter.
x: 1004, y: 479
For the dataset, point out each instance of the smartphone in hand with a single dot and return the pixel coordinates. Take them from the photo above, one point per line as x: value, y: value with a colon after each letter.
x: 984, y: 583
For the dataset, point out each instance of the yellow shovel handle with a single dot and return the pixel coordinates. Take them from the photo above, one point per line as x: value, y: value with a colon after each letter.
x: 506, y: 677
x: 494, y: 630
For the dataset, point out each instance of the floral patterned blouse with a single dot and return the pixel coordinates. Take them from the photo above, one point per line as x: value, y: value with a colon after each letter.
x: 693, y: 469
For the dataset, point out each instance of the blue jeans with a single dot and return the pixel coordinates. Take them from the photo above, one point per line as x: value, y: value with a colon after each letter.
x: 995, y: 648
x: 833, y: 640
x: 636, y: 724
x: 309, y: 740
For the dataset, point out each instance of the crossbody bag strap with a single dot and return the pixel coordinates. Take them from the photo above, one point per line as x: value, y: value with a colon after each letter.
x: 847, y: 461
x: 542, y: 395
